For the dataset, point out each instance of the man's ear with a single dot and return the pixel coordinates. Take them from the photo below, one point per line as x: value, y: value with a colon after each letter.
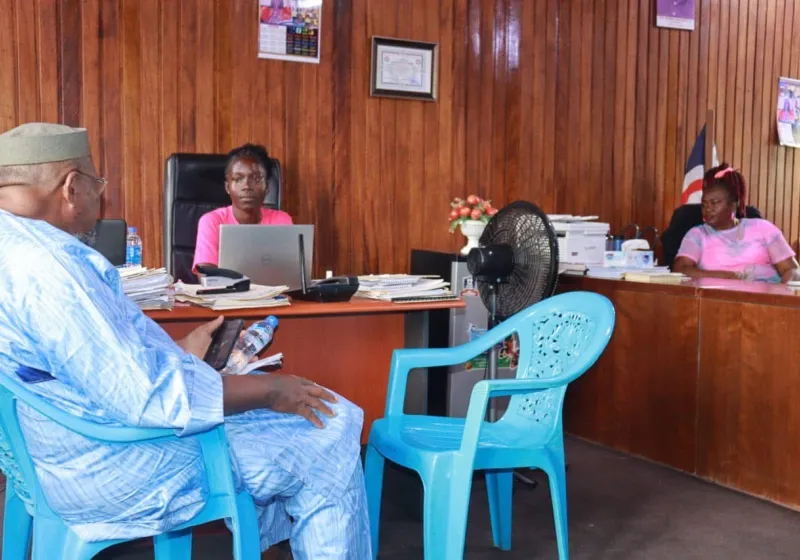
x: 68, y: 188
x: 228, y: 187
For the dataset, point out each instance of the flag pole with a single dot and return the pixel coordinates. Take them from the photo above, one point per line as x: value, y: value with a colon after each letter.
x: 709, y: 147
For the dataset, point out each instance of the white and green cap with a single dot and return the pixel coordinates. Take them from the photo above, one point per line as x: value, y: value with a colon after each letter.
x: 34, y: 143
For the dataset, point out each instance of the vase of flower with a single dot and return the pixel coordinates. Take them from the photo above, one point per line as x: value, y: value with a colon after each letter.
x: 471, y: 215
x: 472, y: 230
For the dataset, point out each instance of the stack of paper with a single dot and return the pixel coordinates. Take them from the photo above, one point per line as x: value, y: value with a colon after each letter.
x: 149, y: 289
x: 404, y: 288
x: 655, y: 277
x: 619, y: 272
x: 257, y: 296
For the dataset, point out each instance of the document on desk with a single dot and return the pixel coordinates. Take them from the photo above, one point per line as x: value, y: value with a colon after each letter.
x: 257, y: 296
x: 269, y: 361
x: 148, y: 288
x: 401, y: 286
x: 379, y: 281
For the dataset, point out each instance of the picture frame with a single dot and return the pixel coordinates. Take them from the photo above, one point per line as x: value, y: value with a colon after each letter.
x: 676, y: 14
x: 404, y: 69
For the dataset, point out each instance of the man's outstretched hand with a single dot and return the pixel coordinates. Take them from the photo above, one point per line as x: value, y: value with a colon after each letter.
x: 295, y: 395
x: 198, y: 341
x: 282, y: 393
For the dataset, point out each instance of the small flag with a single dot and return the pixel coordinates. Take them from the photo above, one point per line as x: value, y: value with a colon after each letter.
x: 691, y: 192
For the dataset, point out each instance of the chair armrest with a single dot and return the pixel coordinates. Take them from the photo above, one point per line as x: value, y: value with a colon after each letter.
x: 118, y: 434
x: 491, y: 388
x: 403, y: 361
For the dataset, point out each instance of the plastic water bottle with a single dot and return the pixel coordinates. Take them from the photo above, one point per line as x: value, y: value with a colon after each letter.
x: 133, y: 248
x: 250, y: 344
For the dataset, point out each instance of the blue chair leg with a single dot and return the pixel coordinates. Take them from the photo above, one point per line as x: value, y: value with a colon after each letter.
x: 558, y: 494
x: 446, y: 507
x: 51, y: 540
x: 499, y: 487
x: 17, y: 527
x: 175, y: 545
x: 246, y: 534
x: 373, y: 480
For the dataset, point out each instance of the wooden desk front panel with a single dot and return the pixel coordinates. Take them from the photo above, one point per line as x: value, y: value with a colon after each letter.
x: 749, y: 398
x: 350, y: 354
x: 640, y: 397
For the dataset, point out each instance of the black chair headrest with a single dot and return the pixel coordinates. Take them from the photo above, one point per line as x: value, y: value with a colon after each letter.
x: 201, y: 178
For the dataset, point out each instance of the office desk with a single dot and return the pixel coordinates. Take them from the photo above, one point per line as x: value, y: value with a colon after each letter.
x: 702, y: 376
x: 346, y: 347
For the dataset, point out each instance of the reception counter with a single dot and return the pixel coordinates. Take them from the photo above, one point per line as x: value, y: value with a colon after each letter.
x: 702, y: 376
x: 346, y: 347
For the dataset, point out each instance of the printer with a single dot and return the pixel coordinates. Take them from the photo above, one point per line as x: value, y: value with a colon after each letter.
x: 581, y: 239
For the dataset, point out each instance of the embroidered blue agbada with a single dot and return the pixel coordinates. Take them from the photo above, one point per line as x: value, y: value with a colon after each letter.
x: 71, y: 335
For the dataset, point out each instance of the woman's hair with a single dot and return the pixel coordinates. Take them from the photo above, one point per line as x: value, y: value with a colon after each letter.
x: 253, y: 151
x: 726, y: 177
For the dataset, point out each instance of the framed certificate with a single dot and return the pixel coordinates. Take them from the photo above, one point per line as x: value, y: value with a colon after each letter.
x: 403, y: 68
x: 676, y: 14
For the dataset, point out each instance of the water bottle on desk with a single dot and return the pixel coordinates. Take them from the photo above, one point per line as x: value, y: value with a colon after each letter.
x: 253, y: 341
x: 133, y: 248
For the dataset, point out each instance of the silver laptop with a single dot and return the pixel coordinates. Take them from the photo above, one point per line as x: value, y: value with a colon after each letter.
x: 268, y: 255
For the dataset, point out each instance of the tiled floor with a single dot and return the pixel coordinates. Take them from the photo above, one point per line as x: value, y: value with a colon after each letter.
x: 619, y: 508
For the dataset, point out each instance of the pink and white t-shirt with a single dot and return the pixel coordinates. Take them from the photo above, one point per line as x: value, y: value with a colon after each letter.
x: 752, y: 248
x: 207, y: 248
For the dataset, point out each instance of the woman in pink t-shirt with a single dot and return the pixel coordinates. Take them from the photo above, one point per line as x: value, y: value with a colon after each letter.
x: 728, y: 245
x: 246, y: 183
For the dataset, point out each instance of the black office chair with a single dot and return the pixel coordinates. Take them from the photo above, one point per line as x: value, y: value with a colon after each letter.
x: 109, y: 238
x: 194, y: 184
x: 683, y: 219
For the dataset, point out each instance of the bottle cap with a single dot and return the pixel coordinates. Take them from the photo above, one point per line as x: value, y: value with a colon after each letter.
x: 132, y: 229
x: 272, y: 321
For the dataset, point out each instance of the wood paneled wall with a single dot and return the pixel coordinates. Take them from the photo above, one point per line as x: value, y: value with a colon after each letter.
x: 581, y: 106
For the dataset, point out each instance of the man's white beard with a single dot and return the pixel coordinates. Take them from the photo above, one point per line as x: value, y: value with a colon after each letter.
x: 89, y: 238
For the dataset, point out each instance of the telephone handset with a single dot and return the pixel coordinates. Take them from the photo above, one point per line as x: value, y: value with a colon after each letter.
x: 337, y: 280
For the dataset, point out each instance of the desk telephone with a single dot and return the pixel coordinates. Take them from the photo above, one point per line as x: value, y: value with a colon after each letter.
x: 336, y: 288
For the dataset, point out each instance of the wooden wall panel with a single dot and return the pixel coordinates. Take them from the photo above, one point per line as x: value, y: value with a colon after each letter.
x: 747, y: 415
x: 581, y: 106
x: 641, y: 396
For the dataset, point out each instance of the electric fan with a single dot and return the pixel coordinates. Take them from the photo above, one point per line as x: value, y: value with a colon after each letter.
x: 515, y: 266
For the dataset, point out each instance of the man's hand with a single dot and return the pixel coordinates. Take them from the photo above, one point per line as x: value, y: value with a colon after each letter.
x: 295, y: 395
x: 198, y: 341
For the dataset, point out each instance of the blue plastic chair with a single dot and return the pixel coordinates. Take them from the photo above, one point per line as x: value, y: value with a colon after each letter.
x: 28, y: 514
x: 560, y: 338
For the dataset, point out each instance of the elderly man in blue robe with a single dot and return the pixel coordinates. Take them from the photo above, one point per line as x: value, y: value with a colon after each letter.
x: 68, y: 332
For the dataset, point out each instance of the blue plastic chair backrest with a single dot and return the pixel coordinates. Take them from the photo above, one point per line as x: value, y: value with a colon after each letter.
x: 14, y: 460
x: 17, y: 465
x: 559, y: 338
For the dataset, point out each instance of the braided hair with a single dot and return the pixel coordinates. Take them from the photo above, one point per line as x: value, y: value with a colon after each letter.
x: 726, y: 177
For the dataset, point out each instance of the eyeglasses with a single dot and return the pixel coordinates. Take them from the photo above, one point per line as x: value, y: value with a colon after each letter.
x: 101, y: 181
x: 241, y: 180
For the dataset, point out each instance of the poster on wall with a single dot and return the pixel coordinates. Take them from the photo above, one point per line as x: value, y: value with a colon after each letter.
x: 789, y: 112
x: 289, y: 30
x: 675, y: 14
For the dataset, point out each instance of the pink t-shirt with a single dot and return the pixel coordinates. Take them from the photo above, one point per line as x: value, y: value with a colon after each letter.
x: 753, y: 247
x: 207, y: 248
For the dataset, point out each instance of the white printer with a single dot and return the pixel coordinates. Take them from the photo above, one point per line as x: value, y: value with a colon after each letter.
x: 581, y: 239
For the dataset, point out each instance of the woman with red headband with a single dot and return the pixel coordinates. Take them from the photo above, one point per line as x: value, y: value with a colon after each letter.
x: 728, y: 245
